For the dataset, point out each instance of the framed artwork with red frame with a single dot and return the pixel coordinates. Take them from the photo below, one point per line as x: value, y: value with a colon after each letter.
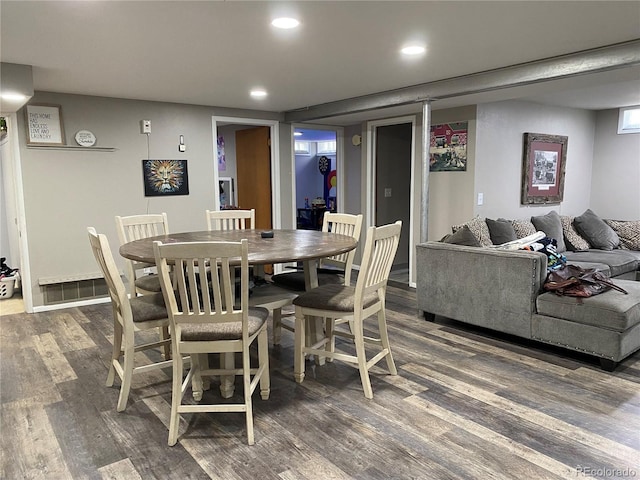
x: 543, y: 165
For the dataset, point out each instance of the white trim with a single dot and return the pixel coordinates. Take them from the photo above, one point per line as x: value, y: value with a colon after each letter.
x: 275, y: 163
x: 370, y: 175
x: 61, y: 306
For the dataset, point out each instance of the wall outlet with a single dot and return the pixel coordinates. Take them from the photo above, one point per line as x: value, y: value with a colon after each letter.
x: 145, y: 126
x: 480, y: 198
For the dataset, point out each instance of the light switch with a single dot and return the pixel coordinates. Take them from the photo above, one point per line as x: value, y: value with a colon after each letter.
x: 480, y: 198
x: 387, y: 192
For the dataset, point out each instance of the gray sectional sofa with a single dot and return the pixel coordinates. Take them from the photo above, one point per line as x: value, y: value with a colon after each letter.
x: 503, y: 290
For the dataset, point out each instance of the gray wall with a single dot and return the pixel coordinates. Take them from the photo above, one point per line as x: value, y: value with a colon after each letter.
x: 499, y: 145
x: 615, y: 182
x: 66, y: 191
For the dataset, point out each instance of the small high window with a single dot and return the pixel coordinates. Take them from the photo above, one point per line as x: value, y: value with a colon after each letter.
x: 629, y: 120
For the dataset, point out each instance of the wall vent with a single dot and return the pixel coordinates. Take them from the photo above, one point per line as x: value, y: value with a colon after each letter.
x: 63, y: 292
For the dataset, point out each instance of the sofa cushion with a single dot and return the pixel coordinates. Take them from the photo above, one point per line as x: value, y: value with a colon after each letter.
x: 479, y: 228
x: 573, y: 240
x: 501, y: 231
x: 619, y: 261
x: 551, y: 225
x: 462, y: 237
x: 611, y: 310
x: 523, y: 228
x: 627, y: 231
x: 598, y: 234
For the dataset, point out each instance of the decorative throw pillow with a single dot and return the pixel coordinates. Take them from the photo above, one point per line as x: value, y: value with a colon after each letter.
x: 462, y: 237
x: 598, y: 234
x: 572, y: 238
x: 627, y: 231
x: 479, y: 228
x: 523, y: 228
x: 552, y: 226
x: 501, y: 231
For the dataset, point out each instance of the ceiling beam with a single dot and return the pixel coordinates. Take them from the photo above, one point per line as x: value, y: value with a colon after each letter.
x: 612, y: 57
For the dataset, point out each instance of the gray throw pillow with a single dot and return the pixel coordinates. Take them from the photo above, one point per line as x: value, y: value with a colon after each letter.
x: 501, y: 231
x: 551, y: 225
x: 596, y: 231
x: 463, y: 236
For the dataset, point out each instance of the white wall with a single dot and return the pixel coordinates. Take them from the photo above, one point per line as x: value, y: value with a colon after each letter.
x: 66, y: 191
x: 499, y: 146
x: 615, y: 184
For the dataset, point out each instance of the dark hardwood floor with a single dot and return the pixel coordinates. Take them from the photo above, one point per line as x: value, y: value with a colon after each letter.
x: 467, y: 404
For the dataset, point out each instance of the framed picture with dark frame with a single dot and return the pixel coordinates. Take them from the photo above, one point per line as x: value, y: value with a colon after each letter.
x: 165, y: 177
x: 543, y: 165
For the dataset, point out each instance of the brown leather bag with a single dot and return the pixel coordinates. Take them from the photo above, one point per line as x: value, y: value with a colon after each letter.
x: 576, y: 281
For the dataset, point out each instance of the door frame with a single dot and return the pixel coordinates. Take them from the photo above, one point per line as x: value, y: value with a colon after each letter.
x: 274, y: 134
x: 370, y: 174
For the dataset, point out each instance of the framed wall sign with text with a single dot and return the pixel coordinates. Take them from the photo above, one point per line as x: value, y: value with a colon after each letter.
x: 44, y: 125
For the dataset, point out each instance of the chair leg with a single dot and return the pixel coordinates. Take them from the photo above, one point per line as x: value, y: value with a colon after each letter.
x: 277, y: 326
x: 115, y: 352
x: 246, y: 380
x: 263, y: 359
x: 227, y: 387
x: 330, y: 345
x: 384, y: 339
x: 298, y: 360
x: 127, y: 372
x: 362, y: 360
x: 176, y: 397
x: 166, y: 349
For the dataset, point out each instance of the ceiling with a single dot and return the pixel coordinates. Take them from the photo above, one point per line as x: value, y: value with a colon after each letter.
x: 212, y: 53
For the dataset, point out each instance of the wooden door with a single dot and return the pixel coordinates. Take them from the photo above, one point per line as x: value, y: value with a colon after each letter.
x: 253, y: 164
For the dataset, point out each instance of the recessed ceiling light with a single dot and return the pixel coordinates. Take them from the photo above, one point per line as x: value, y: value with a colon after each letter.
x: 258, y: 93
x: 285, y: 22
x: 413, y: 50
x: 297, y: 134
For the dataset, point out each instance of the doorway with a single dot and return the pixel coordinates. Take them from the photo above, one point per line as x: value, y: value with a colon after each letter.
x: 391, y: 173
x: 263, y: 136
x: 316, y: 175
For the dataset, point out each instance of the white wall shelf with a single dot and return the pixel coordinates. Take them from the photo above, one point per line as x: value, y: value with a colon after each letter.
x: 71, y: 147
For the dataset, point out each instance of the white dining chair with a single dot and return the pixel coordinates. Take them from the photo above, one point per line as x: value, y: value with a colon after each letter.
x: 130, y: 315
x: 352, y: 305
x: 231, y: 219
x: 136, y: 227
x: 336, y: 269
x: 206, y: 318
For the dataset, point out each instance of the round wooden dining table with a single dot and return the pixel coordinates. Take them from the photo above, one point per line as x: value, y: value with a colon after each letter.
x: 285, y: 246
